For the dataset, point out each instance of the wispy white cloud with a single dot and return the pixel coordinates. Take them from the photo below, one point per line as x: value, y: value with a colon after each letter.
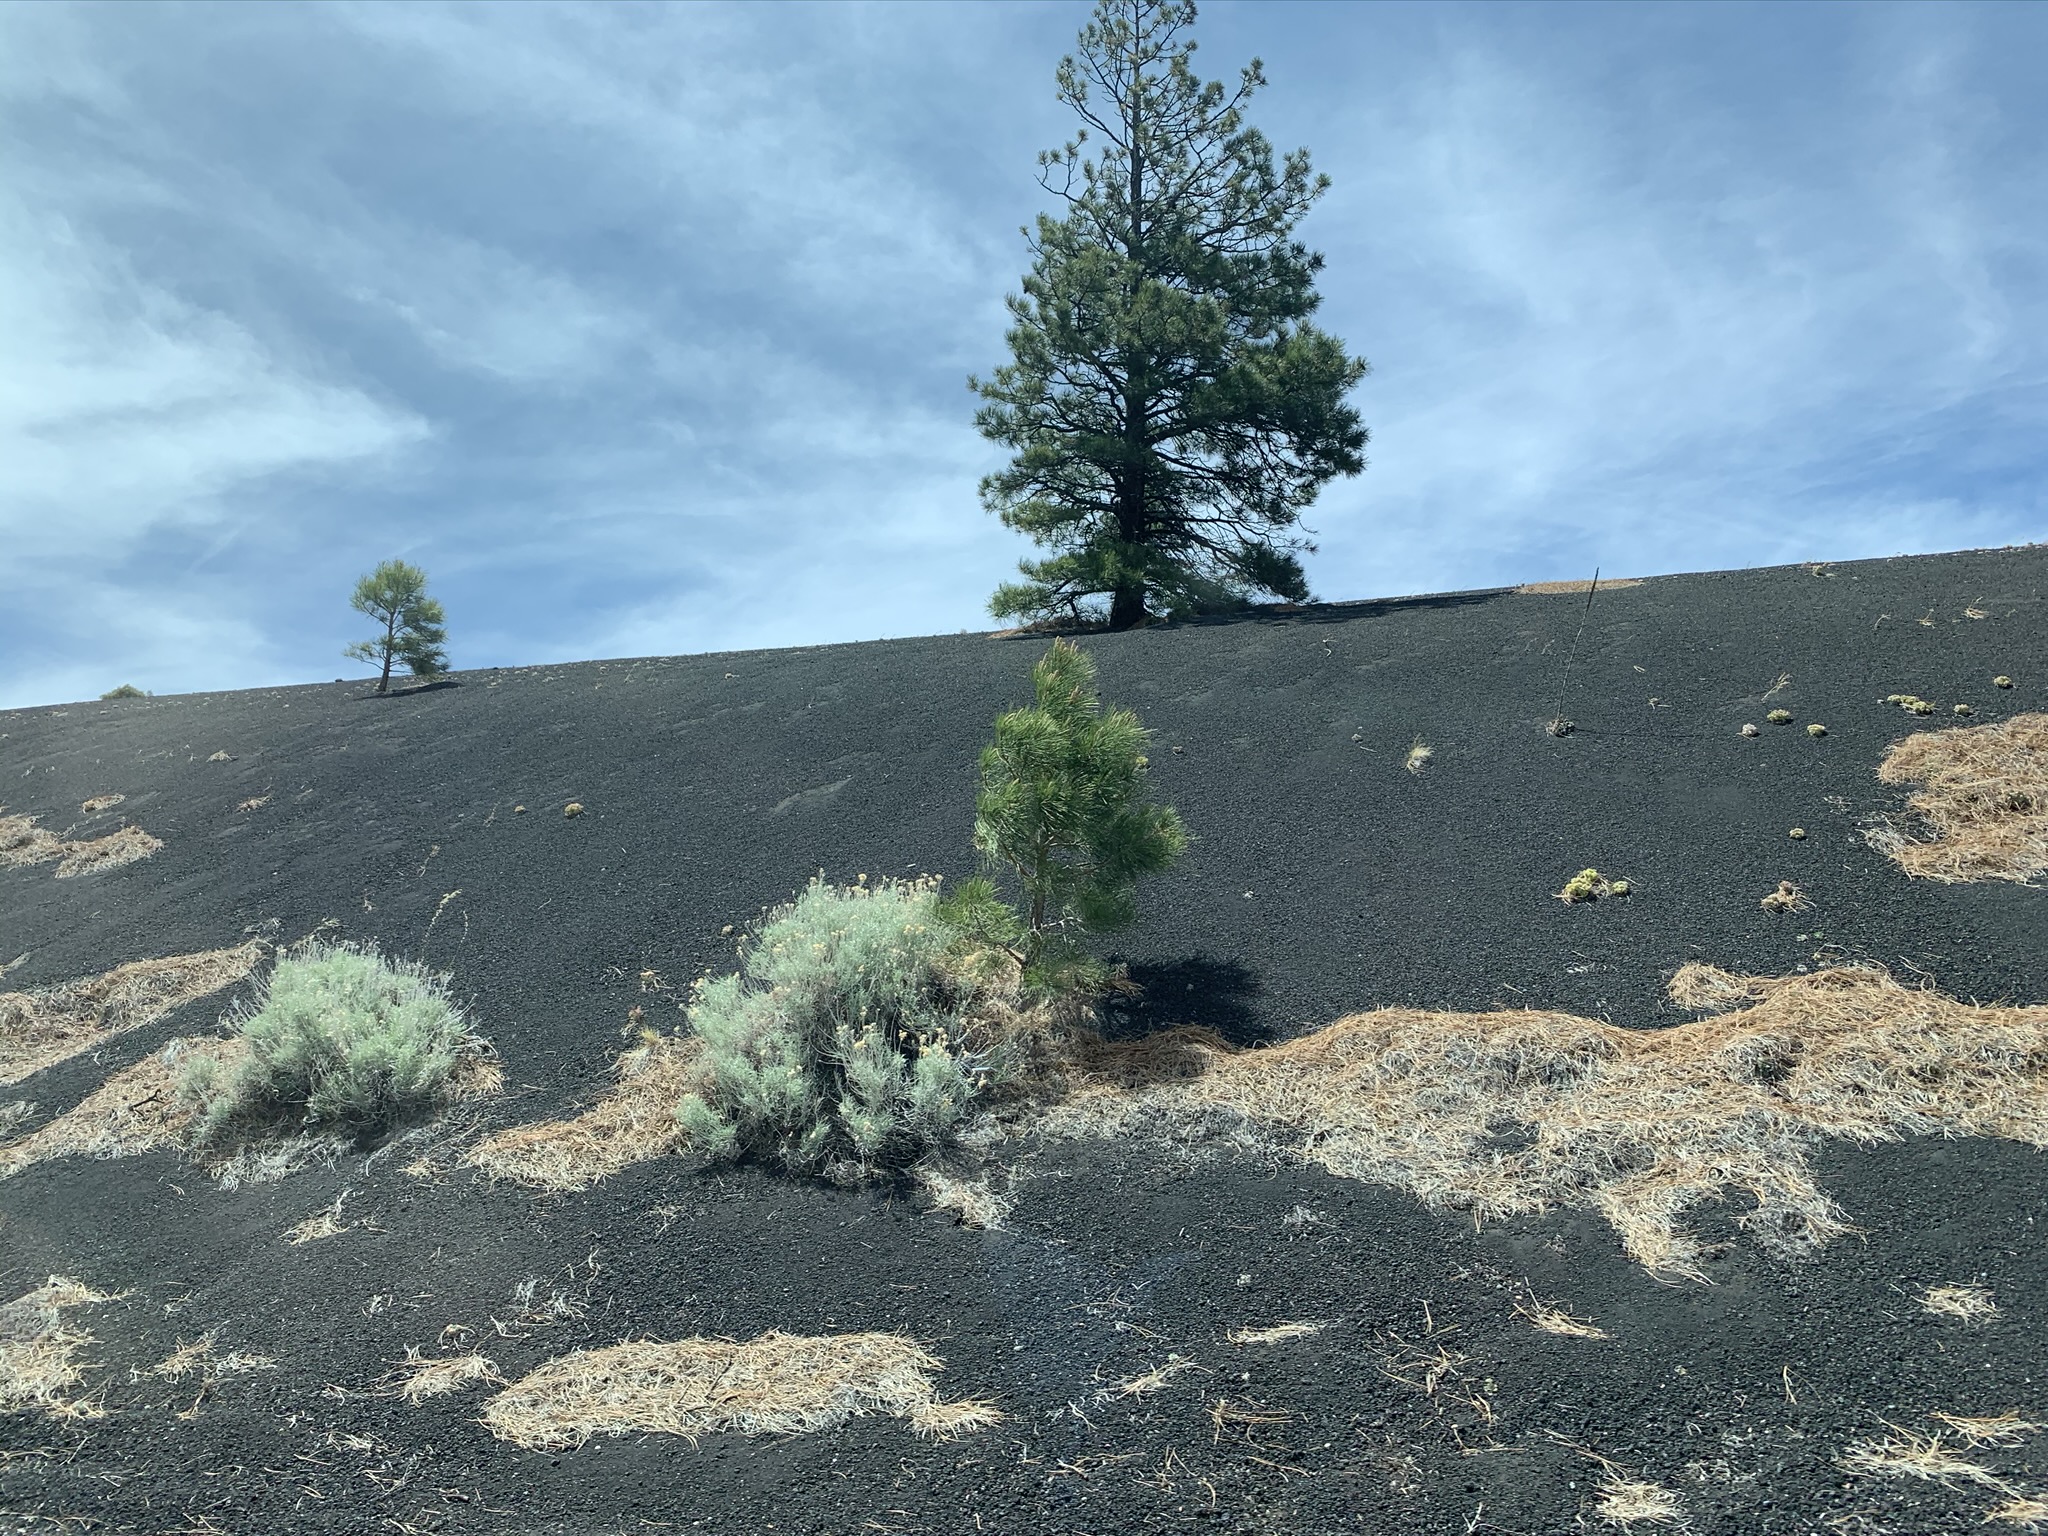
x: 646, y: 329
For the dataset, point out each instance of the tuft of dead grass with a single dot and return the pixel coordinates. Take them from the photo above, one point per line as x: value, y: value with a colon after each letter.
x: 1145, y: 1383
x: 972, y: 1201
x: 421, y: 1376
x: 39, y: 1349
x: 136, y: 1110
x: 2028, y: 1512
x: 1906, y: 1453
x: 42, y: 1027
x: 634, y: 1122
x: 1631, y: 1501
x: 779, y: 1383
x: 323, y: 1223
x: 1639, y: 1125
x: 1547, y: 1317
x: 1786, y: 898
x: 100, y: 803
x: 1964, y: 1303
x: 198, y: 1359
x: 1278, y: 1333
x: 1983, y: 802
x: 2002, y: 1429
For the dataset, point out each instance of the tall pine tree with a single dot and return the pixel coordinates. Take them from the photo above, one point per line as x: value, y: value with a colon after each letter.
x: 1171, y: 410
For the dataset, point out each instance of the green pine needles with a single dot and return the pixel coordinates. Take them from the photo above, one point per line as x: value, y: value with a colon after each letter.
x: 415, y: 628
x: 340, y: 1039
x: 1063, y: 809
x: 1170, y: 407
x: 854, y: 1037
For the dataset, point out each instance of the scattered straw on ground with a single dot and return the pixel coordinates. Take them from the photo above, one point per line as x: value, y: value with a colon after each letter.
x: 322, y: 1223
x: 1983, y: 802
x: 421, y: 1376
x: 1549, y: 1318
x: 198, y: 1359
x: 1564, y: 588
x: 633, y: 1123
x: 23, y: 843
x: 1278, y: 1333
x: 779, y: 1383
x: 1906, y: 1453
x: 1631, y: 1501
x: 39, y: 1351
x: 2005, y: 1429
x: 970, y: 1200
x: 135, y: 1110
x: 1145, y: 1383
x: 126, y: 846
x: 1964, y: 1303
x: 49, y: 1024
x: 1518, y: 1112
x: 2031, y: 1513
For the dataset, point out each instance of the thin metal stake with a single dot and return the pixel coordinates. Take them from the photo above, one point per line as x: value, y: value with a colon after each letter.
x: 1559, y: 726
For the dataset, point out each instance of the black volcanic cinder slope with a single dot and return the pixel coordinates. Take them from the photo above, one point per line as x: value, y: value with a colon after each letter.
x: 1325, y: 878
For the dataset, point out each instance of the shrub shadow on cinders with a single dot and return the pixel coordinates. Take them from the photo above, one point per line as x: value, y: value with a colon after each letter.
x: 1197, y: 990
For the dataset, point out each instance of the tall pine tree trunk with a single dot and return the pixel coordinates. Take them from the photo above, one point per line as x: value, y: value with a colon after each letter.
x: 1127, y: 602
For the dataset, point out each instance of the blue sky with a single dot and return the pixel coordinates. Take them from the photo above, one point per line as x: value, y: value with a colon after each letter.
x: 645, y: 329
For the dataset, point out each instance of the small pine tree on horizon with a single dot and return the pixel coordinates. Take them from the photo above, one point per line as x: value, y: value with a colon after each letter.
x: 415, y: 627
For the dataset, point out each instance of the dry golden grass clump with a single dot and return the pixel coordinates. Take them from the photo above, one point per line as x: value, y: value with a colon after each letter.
x: 323, y: 1223
x: 1963, y: 1303
x: 421, y: 1376
x: 1547, y: 1317
x: 1786, y: 898
x: 1906, y: 1453
x: 971, y: 1201
x: 49, y: 1024
x: 1278, y: 1333
x: 39, y: 1350
x: 198, y: 1359
x: 22, y: 843
x: 1565, y: 588
x: 136, y: 1110
x: 778, y: 1384
x: 1632, y: 1501
x: 633, y: 1123
x: 1639, y: 1125
x: 1984, y: 798
x: 126, y: 846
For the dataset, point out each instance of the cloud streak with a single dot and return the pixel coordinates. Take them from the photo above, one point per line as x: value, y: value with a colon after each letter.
x: 646, y: 330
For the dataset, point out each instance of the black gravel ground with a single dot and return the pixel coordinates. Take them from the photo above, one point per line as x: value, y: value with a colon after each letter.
x: 1325, y: 878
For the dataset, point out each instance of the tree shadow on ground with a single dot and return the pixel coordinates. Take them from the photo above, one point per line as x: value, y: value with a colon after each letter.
x: 408, y: 690
x: 1198, y: 990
